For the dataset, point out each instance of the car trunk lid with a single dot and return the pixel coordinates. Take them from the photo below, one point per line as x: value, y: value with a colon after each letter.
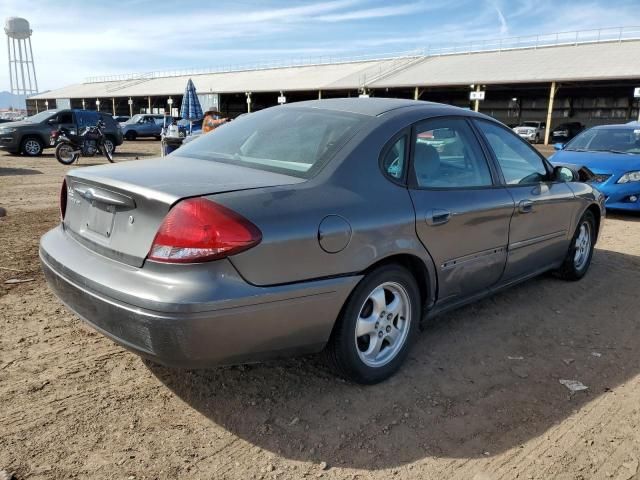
x: 116, y: 210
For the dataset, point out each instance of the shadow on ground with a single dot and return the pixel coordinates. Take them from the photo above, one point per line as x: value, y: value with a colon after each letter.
x: 9, y: 172
x: 482, y: 379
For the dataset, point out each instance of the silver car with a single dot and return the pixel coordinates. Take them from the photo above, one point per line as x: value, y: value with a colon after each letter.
x: 331, y: 225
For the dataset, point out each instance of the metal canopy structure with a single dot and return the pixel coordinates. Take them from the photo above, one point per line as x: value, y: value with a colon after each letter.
x: 577, y: 62
x: 602, y: 61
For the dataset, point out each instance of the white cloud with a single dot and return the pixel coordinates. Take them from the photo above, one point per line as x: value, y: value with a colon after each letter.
x: 376, y: 12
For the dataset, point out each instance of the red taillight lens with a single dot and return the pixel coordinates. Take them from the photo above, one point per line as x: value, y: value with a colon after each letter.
x: 63, y: 199
x: 199, y: 230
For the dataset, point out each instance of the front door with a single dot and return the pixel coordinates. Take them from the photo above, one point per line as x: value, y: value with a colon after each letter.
x: 65, y: 119
x: 540, y: 228
x: 462, y: 215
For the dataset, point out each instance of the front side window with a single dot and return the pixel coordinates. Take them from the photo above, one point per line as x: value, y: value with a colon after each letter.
x: 519, y: 162
x: 447, y: 155
x: 293, y: 141
x: 65, y: 117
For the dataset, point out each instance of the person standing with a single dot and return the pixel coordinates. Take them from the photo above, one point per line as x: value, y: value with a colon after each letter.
x: 212, y: 120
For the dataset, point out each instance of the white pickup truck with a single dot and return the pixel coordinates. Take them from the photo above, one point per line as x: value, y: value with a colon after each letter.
x: 531, y: 131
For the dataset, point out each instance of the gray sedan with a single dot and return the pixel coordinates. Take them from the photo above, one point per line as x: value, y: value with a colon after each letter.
x: 336, y: 225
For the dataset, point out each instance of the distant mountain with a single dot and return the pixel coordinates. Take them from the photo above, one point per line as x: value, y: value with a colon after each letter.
x: 8, y: 100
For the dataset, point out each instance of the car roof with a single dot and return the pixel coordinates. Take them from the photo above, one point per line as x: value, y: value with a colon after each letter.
x: 617, y: 126
x: 375, y: 106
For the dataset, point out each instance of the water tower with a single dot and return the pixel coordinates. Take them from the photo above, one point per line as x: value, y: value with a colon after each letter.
x: 22, y: 70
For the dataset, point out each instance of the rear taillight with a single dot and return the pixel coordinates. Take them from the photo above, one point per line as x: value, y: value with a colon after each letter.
x: 199, y: 230
x: 63, y: 199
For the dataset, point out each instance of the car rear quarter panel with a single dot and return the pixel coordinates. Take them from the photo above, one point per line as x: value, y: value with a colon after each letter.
x: 380, y: 214
x: 587, y: 196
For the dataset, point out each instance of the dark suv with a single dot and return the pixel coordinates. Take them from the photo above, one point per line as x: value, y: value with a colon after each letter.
x: 33, y: 134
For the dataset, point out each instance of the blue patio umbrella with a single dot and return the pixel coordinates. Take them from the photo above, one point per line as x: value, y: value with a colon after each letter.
x: 190, y: 109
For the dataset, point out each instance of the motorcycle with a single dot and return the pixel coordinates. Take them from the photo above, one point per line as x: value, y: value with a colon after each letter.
x: 91, y: 141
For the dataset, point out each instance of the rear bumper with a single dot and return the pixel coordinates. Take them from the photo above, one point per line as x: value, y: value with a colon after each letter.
x: 233, y: 322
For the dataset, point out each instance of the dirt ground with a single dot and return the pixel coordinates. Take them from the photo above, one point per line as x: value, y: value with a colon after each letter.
x: 479, y: 397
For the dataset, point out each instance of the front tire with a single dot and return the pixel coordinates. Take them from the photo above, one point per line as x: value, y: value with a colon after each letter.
x: 578, y: 259
x: 32, y: 147
x: 110, y: 145
x: 377, y: 326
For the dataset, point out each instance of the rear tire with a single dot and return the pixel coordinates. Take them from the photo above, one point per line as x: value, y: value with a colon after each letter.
x: 578, y: 259
x: 32, y: 147
x: 376, y: 327
x: 131, y: 136
x: 64, y: 153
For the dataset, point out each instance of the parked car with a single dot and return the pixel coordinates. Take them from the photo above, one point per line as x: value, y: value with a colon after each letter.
x: 315, y: 225
x: 533, y: 132
x: 33, y: 134
x: 566, y: 131
x: 612, y: 153
x: 143, y: 125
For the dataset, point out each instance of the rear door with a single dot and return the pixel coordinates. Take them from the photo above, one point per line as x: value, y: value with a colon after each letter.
x: 540, y: 228
x: 462, y: 213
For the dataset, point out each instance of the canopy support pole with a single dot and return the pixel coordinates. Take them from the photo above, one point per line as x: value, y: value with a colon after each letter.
x: 552, y: 96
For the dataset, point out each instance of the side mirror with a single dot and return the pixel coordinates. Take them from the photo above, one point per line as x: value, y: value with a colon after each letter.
x: 565, y: 174
x: 558, y: 146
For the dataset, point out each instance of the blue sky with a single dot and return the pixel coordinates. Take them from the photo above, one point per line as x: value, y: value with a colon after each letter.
x: 75, y: 39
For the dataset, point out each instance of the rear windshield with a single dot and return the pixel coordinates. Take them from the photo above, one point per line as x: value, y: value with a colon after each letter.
x: 292, y: 141
x: 616, y: 140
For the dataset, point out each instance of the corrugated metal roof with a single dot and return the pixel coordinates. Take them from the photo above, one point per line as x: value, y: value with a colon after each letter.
x: 565, y: 63
x: 312, y: 77
x: 600, y: 61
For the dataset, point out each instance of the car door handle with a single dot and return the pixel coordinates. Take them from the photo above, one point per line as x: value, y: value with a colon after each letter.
x: 525, y: 206
x: 438, y: 216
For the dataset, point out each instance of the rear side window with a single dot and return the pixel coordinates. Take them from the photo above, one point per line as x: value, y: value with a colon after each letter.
x: 281, y: 139
x: 108, y: 120
x: 447, y: 155
x: 394, y: 158
x: 519, y: 162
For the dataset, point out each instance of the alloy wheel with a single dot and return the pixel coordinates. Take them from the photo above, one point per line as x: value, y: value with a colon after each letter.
x: 32, y: 147
x: 582, y: 246
x: 383, y: 324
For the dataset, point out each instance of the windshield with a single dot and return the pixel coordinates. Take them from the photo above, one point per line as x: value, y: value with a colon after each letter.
x: 134, y: 119
x: 616, y: 140
x: 283, y: 140
x: 39, y: 117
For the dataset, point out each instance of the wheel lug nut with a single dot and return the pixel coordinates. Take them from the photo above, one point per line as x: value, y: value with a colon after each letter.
x: 377, y: 325
x: 388, y: 328
x: 389, y: 317
x: 380, y: 334
x: 383, y: 314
